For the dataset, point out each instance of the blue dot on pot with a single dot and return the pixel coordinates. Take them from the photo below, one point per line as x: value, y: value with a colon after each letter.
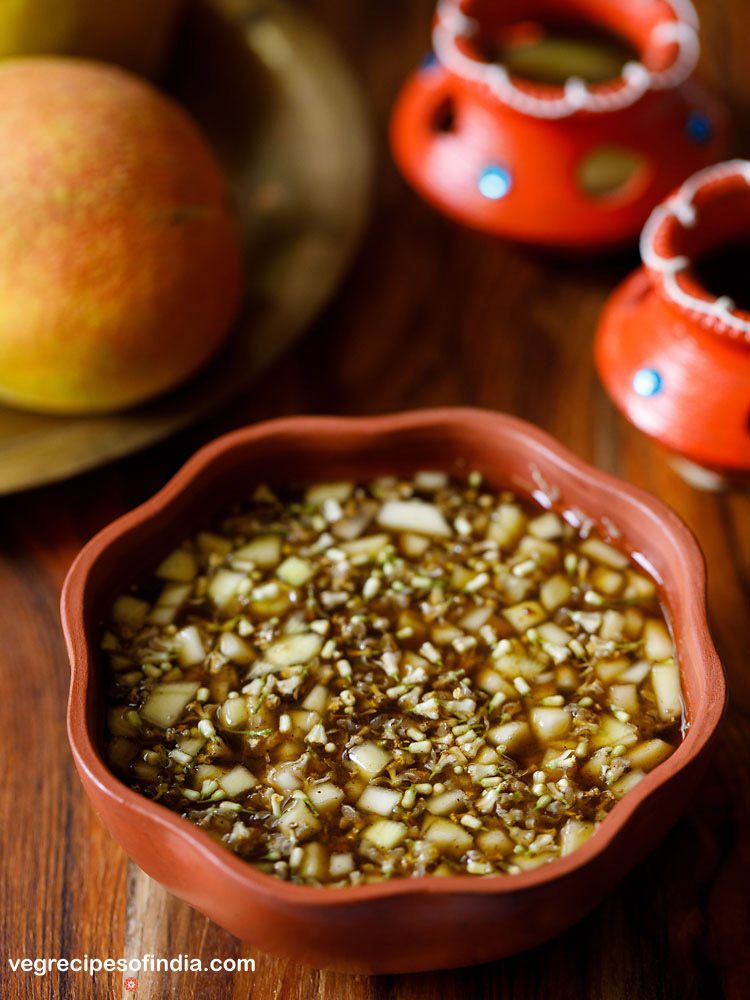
x: 699, y: 127
x: 647, y: 382
x: 428, y: 60
x: 494, y: 182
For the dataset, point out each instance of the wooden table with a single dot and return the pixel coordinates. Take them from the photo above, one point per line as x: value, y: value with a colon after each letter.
x: 429, y: 315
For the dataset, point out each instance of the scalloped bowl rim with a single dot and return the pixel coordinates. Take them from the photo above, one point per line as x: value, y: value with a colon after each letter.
x: 90, y: 762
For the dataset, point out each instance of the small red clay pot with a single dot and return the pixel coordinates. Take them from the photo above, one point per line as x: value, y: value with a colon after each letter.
x: 674, y: 358
x: 503, y: 155
x: 403, y: 925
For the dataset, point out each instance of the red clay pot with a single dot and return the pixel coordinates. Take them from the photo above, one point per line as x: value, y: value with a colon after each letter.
x: 673, y: 357
x: 502, y: 154
x: 410, y: 924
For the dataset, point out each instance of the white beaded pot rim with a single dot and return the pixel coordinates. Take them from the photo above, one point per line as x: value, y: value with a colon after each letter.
x: 719, y: 314
x: 452, y: 25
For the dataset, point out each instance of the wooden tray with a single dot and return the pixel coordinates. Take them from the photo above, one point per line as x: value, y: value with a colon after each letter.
x: 286, y: 118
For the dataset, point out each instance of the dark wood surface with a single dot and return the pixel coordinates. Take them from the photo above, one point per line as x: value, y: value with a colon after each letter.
x: 428, y: 315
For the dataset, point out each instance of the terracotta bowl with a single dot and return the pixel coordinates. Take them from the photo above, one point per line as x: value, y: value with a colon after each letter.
x: 399, y: 925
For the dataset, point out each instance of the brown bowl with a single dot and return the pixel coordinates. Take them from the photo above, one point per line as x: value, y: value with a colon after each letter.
x: 411, y: 924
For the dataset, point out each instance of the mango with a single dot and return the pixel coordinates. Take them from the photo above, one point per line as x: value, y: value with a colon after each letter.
x: 120, y: 270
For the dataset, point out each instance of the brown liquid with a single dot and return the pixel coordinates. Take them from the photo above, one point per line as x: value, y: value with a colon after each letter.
x: 726, y: 272
x: 552, y: 53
